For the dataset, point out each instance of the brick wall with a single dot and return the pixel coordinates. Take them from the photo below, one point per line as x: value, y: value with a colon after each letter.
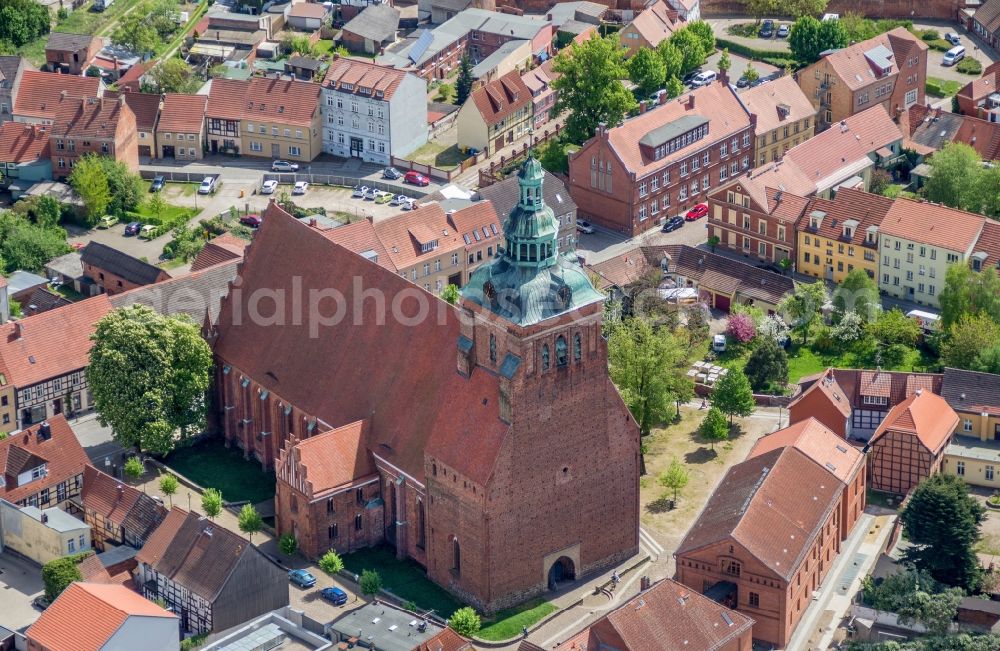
x: 310, y: 521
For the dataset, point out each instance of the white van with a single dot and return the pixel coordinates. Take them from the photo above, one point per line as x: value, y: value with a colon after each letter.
x: 719, y: 343
x: 704, y: 78
x: 954, y: 55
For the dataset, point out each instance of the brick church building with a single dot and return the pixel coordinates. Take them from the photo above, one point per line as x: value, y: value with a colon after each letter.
x: 485, y: 441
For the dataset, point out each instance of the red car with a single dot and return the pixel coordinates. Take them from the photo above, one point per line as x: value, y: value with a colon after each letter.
x: 697, y: 212
x: 416, y: 178
x: 253, y: 221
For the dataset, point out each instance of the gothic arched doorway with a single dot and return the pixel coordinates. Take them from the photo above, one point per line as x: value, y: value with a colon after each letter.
x: 562, y: 570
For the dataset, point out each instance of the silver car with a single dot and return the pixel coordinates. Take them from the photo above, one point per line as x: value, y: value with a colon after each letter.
x: 268, y: 187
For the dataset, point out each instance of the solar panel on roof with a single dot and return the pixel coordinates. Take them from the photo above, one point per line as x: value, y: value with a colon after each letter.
x: 420, y: 47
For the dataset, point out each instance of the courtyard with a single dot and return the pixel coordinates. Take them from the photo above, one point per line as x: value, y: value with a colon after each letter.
x: 210, y: 464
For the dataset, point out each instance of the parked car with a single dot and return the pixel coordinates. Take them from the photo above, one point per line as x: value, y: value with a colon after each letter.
x: 336, y: 596
x: 766, y: 29
x: 409, y: 204
x: 40, y: 602
x: 584, y: 226
x: 759, y: 81
x: 416, y: 178
x: 133, y: 228
x: 697, y: 212
x: 300, y: 187
x: 704, y: 78
x: 371, y: 193
x: 359, y: 191
x: 107, y: 221
x: 689, y: 77
x: 253, y: 221
x: 782, y: 31
x: 391, y: 173
x: 953, y: 56
x: 284, y: 166
x: 301, y: 578
x: 158, y: 183
x: 399, y: 200
x: 268, y: 187
x: 383, y: 197
x: 719, y: 343
x: 953, y: 38
x: 655, y: 97
x: 149, y: 232
x: 742, y: 82
x: 208, y: 185
x: 672, y: 224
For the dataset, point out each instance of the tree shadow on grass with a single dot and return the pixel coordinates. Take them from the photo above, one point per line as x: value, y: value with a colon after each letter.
x: 701, y: 455
x: 661, y: 505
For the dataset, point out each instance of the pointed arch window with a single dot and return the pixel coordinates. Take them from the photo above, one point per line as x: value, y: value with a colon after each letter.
x: 457, y: 557
x: 421, y: 516
x: 545, y: 357
x: 577, y: 348
x: 562, y: 352
x: 493, y: 348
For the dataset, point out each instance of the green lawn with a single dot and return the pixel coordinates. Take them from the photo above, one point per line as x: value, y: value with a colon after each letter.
x: 440, y: 155
x: 509, y: 623
x: 170, y: 218
x: 942, y: 87
x: 404, y: 579
x: 212, y: 465
x: 70, y: 294
x: 323, y: 46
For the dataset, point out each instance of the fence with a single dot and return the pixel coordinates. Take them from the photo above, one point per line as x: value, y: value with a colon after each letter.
x: 495, y: 172
x: 437, y: 173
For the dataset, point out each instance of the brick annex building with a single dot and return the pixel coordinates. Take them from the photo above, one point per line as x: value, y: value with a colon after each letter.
x: 484, y: 423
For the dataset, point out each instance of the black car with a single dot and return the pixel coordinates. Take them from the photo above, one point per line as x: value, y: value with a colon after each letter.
x: 767, y: 29
x: 742, y: 82
x: 158, y: 183
x: 672, y: 224
x: 689, y: 77
x: 391, y: 173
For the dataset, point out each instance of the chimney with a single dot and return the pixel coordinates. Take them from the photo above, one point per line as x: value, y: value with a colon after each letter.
x: 642, y: 106
x: 44, y: 431
x: 45, y: 518
x: 312, y: 222
x: 63, y: 94
x: 121, y: 99
x: 18, y: 330
x: 645, y: 583
x: 919, y: 391
x: 663, y: 98
x: 370, y: 218
x: 602, y: 130
x: 690, y: 102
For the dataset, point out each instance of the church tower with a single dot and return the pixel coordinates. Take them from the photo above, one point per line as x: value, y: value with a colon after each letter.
x: 566, y: 484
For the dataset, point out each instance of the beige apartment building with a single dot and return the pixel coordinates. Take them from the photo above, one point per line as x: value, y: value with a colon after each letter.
x: 785, y: 117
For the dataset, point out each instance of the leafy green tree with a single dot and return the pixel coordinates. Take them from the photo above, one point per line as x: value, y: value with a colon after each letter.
x: 57, y: 574
x: 935, y: 611
x: 249, y: 521
x: 733, y: 396
x: 760, y: 8
x: 892, y: 334
x: 942, y: 523
x: 27, y: 246
x: 590, y: 86
x: 857, y: 293
x: 713, y: 241
x: 127, y: 188
x: 972, y: 336
x: 849, y: 328
x: 90, y: 181
x: 450, y: 293
x: 22, y: 21
x: 767, y: 366
x: 673, y: 58
x: 750, y: 73
x: 648, y: 367
x: 463, y: 87
x: 465, y: 621
x: 211, y: 502
x: 299, y: 45
x: 988, y: 361
x: 968, y: 292
x: 149, y: 375
x: 42, y: 210
x: 168, y: 486
x: 714, y: 427
x: 674, y: 478
x: 954, y: 171
x: 173, y: 76
x: 134, y: 33
x: 895, y: 590
x: 704, y: 32
x: 987, y: 192
x: 156, y: 204
x: 331, y: 563
x: 692, y: 49
x: 809, y: 37
x: 287, y: 544
x: 725, y: 63
x: 552, y: 156
x: 371, y: 582
x: 803, y: 305
x: 674, y: 87
x: 134, y: 468
x: 647, y: 71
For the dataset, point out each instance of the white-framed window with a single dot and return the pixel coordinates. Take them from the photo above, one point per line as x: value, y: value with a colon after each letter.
x: 723, y: 150
x: 705, y: 183
x: 706, y: 159
x: 642, y: 212
x: 684, y: 168
x: 683, y: 194
x: 654, y: 183
x: 911, y: 97
x: 960, y: 468
x: 967, y: 425
x: 294, y: 151
x: 989, y: 473
x: 654, y: 207
x: 256, y: 146
x: 746, y: 138
x: 642, y: 189
x: 723, y: 174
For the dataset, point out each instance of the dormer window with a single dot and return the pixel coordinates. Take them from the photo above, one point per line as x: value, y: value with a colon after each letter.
x: 426, y: 247
x: 816, y: 219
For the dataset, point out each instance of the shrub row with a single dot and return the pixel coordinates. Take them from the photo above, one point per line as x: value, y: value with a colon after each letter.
x: 777, y: 58
x: 970, y: 66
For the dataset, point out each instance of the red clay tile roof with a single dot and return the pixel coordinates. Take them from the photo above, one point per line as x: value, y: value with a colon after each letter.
x: 842, y: 144
x: 360, y: 237
x: 478, y: 222
x: 835, y: 394
x: 130, y: 80
x: 403, y: 234
x: 363, y: 74
x: 182, y: 113
x: 716, y: 102
x: 93, y: 117
x: 146, y: 107
x: 107, y: 496
x: 86, y: 615
x: 656, y: 23
x: 50, y: 344
x: 442, y: 406
x: 157, y: 543
x: 446, y: 640
x: 765, y: 100
x: 817, y: 442
x: 623, y: 269
x: 929, y: 129
x: 989, y: 243
x: 933, y: 224
x: 23, y: 143
x: 501, y: 97
x: 865, y: 208
x: 988, y: 15
x: 925, y: 414
x: 308, y: 10
x: 264, y: 99
x: 668, y: 617
x: 39, y: 93
x: 335, y: 458
x: 763, y: 185
x: 93, y: 571
x: 773, y: 505
x: 220, y: 249
x: 21, y: 451
x: 854, y: 68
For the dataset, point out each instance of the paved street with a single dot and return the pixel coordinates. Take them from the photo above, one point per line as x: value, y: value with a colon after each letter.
x: 20, y: 582
x: 601, y: 244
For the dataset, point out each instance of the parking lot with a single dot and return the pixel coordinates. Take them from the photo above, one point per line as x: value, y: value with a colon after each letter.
x: 312, y: 604
x: 20, y: 582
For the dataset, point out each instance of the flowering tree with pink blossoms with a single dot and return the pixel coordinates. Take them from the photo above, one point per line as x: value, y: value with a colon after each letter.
x: 741, y: 328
